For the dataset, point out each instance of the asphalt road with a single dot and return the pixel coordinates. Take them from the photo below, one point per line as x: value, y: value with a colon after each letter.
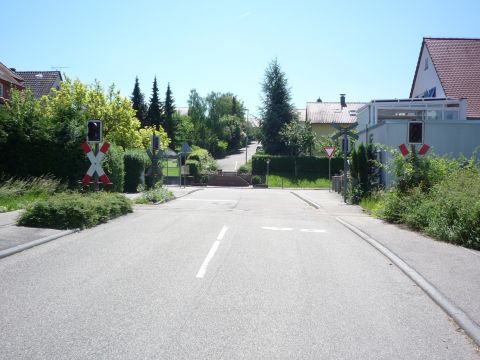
x: 218, y: 274
x: 233, y: 162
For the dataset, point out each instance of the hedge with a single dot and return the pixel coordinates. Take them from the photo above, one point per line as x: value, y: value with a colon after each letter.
x: 114, y: 166
x: 286, y: 164
x: 74, y: 210
x: 135, y: 163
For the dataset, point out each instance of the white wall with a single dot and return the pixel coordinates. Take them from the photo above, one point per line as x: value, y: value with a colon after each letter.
x: 427, y: 79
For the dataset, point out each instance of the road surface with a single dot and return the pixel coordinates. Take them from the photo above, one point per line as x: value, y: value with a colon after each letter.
x: 233, y: 162
x: 218, y: 274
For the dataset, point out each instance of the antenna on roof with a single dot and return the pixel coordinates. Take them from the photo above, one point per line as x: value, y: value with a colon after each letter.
x: 59, y: 67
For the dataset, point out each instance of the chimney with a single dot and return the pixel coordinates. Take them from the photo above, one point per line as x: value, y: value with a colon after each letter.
x: 342, y: 101
x: 13, y: 69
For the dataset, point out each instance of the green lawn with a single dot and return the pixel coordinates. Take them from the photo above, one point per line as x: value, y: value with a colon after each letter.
x: 172, y: 169
x: 302, y: 181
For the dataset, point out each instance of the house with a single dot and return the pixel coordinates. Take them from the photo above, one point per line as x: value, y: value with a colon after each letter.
x: 449, y: 67
x: 8, y: 80
x: 443, y: 110
x: 323, y: 114
x: 41, y: 82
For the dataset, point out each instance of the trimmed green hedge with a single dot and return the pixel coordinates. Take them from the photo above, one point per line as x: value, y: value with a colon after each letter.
x: 135, y: 163
x: 286, y: 164
x: 75, y: 210
x: 114, y: 167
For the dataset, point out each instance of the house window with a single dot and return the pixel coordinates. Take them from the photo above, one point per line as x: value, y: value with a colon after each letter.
x: 415, y: 132
x: 426, y: 64
x: 1, y: 90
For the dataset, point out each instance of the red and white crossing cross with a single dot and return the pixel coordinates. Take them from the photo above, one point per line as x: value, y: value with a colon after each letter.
x: 329, y: 150
x: 423, y: 150
x: 96, y: 165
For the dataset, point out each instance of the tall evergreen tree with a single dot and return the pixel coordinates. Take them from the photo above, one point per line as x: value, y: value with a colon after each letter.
x: 138, y: 101
x: 154, y: 114
x: 276, y: 109
x: 169, y: 111
x: 234, y: 106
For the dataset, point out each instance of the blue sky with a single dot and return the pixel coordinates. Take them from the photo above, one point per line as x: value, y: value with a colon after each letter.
x: 366, y: 49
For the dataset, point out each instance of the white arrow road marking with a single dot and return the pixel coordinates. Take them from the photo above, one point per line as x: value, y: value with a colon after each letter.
x: 277, y: 228
x: 211, y: 253
x: 313, y: 230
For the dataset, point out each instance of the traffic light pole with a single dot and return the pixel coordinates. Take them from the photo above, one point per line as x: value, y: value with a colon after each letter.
x: 95, y: 175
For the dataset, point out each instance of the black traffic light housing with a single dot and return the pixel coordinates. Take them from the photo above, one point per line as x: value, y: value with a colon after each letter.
x: 155, y: 142
x: 94, y: 131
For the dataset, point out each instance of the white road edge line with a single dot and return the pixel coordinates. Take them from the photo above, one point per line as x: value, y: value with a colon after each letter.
x: 236, y: 164
x: 211, y: 253
x: 461, y: 318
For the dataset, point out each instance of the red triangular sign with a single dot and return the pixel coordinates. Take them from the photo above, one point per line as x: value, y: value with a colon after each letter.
x: 329, y: 150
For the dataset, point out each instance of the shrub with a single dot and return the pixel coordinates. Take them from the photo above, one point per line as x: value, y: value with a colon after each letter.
x: 135, y: 163
x: 74, y: 210
x: 245, y: 168
x: 114, y: 167
x: 194, y: 167
x: 256, y: 179
x: 155, y: 195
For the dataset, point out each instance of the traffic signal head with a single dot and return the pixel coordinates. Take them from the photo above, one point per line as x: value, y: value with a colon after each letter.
x: 94, y: 131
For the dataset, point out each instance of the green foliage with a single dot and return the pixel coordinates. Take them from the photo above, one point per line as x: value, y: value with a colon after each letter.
x: 302, y: 181
x: 184, y: 131
x: 155, y: 195
x: 169, y: 111
x: 18, y: 193
x: 194, y: 167
x: 436, y: 195
x: 298, y: 139
x: 276, y: 109
x: 138, y: 103
x: 155, y: 108
x: 287, y: 164
x: 114, y: 166
x: 74, y: 210
x: 246, y: 168
x: 364, y: 170
x: 256, y: 179
x: 135, y: 162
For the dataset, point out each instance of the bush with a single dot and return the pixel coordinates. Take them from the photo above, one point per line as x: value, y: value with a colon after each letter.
x: 194, y: 167
x: 74, y: 210
x: 135, y: 163
x: 256, y: 179
x: 155, y: 195
x: 114, y: 167
x: 286, y: 164
x: 245, y: 168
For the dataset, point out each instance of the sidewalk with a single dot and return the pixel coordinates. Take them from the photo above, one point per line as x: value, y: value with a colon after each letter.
x: 453, y: 270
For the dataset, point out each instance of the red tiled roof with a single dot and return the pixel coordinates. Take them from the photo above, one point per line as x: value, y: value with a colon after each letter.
x: 332, y: 112
x: 457, y: 62
x: 9, y: 76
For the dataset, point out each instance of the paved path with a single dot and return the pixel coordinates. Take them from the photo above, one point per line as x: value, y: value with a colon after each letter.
x: 220, y: 274
x: 233, y: 162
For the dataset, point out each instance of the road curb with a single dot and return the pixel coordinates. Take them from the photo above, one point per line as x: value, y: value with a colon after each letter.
x: 308, y: 201
x: 22, y: 247
x: 461, y: 318
x: 188, y: 193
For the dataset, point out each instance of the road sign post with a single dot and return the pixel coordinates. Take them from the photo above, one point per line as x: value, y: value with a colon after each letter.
x: 95, y: 170
x: 344, y: 131
x: 329, y: 150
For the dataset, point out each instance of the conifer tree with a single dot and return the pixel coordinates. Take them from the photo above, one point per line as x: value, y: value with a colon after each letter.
x: 169, y: 111
x: 154, y: 114
x: 138, y: 101
x: 277, y: 109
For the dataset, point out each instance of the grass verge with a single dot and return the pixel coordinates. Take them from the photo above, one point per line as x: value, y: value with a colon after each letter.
x: 302, y: 181
x: 20, y: 193
x: 74, y: 210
